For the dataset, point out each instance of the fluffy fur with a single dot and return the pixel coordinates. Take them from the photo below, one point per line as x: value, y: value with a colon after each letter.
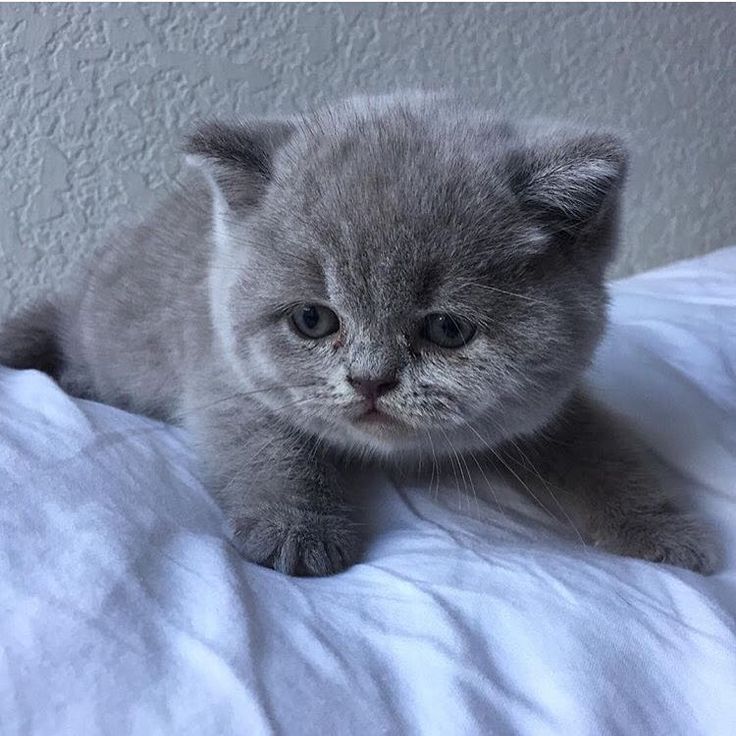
x: 385, y: 210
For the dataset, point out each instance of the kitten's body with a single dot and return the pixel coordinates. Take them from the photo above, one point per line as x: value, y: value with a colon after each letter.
x: 385, y: 211
x: 138, y: 328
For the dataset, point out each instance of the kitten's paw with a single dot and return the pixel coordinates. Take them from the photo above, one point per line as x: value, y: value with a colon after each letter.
x: 295, y: 541
x: 665, y: 536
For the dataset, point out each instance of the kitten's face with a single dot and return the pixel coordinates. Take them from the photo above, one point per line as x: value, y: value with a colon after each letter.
x: 404, y: 306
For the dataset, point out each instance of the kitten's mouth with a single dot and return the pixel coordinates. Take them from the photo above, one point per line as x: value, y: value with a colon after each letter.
x: 376, y: 418
x: 375, y: 415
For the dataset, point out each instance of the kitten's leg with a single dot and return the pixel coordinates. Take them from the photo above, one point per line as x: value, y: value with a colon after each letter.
x: 586, y: 462
x: 281, y: 496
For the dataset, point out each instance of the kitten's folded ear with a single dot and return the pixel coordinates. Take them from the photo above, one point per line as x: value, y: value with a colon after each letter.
x: 567, y: 185
x: 238, y: 159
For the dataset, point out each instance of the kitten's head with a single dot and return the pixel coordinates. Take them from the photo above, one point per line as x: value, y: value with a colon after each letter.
x: 413, y: 275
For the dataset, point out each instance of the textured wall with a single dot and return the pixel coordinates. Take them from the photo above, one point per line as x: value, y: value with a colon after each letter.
x: 94, y: 97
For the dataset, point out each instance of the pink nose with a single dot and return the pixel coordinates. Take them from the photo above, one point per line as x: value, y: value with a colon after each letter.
x: 372, y: 388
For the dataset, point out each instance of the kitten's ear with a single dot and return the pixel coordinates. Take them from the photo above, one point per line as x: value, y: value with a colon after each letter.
x: 238, y: 159
x: 567, y: 185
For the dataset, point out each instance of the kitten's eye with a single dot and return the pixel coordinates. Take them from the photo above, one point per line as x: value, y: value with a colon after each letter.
x: 314, y: 320
x: 447, y: 331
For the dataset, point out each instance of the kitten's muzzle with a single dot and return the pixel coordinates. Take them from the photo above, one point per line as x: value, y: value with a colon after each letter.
x: 372, y: 388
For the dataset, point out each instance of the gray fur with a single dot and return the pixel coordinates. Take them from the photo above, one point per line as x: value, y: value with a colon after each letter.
x: 385, y: 210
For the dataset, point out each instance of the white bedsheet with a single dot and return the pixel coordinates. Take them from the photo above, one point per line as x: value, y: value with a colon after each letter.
x: 124, y: 611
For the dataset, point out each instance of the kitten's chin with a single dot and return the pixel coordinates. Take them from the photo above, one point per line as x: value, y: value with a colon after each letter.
x: 379, y: 430
x: 380, y: 423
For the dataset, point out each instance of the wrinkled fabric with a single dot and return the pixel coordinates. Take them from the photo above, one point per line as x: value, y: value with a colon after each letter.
x: 124, y: 610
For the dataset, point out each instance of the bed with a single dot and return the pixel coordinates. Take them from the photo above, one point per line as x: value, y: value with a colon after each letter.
x: 124, y: 610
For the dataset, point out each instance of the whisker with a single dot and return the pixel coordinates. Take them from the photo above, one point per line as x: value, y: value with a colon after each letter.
x: 459, y: 459
x: 510, y: 469
x: 548, y: 487
x: 452, y: 463
x: 471, y: 483
x: 435, y: 468
x: 566, y: 516
x: 506, y: 292
x: 488, y: 483
x: 236, y: 395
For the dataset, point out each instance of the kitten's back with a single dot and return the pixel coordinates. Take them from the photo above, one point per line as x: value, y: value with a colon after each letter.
x: 134, y: 319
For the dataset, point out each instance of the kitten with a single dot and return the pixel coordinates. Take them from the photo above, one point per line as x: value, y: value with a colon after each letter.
x: 393, y: 278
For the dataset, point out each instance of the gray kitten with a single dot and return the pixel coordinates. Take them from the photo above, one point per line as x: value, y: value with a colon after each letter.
x: 395, y: 279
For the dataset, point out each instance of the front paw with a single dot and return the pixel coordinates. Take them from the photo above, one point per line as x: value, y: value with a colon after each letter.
x: 295, y: 541
x: 664, y: 535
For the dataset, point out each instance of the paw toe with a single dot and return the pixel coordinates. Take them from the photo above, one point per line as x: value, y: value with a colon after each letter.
x: 305, y: 544
x: 672, y: 538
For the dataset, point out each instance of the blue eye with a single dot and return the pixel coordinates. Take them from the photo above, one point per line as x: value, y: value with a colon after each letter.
x: 314, y: 321
x: 447, y: 330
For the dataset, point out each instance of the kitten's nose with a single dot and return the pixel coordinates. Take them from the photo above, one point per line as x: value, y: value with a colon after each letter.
x: 372, y: 388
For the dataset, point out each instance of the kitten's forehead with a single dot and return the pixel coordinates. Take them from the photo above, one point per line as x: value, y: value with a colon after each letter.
x: 390, y: 184
x: 400, y: 253
x: 393, y: 282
